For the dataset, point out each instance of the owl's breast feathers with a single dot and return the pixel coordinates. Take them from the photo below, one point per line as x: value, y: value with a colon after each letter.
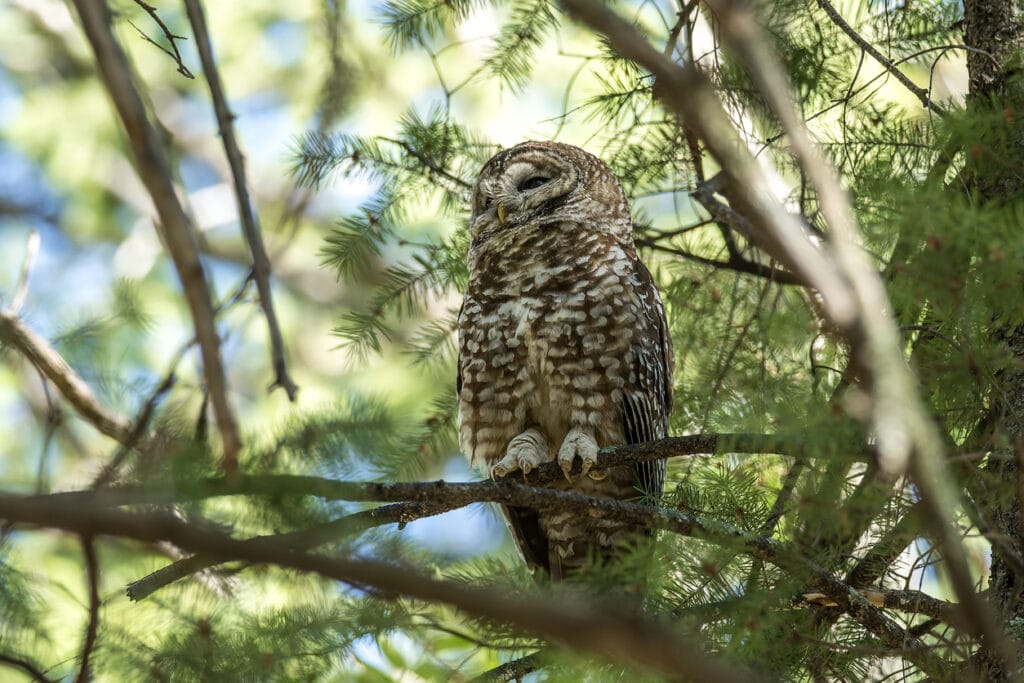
x: 561, y: 328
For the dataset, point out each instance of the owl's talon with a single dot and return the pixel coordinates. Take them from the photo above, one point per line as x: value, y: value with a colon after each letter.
x: 597, y: 475
x: 577, y: 444
x: 524, y: 452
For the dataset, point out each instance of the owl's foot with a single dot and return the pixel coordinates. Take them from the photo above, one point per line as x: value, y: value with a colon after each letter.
x: 524, y: 452
x: 581, y: 444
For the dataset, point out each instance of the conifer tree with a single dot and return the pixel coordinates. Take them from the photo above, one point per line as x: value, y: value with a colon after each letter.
x: 828, y: 195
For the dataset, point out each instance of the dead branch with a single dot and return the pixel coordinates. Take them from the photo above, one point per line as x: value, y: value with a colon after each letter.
x: 53, y: 366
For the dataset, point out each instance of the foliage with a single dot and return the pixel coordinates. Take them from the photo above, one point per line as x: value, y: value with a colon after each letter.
x: 366, y: 230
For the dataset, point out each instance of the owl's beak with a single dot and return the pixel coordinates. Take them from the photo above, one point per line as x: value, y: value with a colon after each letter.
x: 502, y: 213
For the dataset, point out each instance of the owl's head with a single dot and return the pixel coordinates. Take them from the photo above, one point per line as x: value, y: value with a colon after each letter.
x: 546, y: 183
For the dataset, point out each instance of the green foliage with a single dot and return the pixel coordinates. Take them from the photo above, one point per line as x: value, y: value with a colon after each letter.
x: 425, y: 98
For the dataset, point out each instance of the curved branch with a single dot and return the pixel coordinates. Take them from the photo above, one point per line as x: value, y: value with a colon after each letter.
x: 601, y: 628
x: 44, y: 357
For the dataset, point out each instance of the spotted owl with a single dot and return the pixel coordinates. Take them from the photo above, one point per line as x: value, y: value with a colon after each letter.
x: 563, y: 344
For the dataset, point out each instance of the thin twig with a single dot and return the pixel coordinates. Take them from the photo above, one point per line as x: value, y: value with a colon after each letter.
x: 175, y: 225
x: 920, y: 93
x: 92, y: 629
x: 74, y: 389
x: 260, y: 261
x: 173, y: 53
x: 21, y: 290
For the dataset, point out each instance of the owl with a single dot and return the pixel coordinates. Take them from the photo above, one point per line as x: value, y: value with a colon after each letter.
x: 563, y: 345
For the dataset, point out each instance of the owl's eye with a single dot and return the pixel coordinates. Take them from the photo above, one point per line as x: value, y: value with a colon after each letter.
x: 532, y: 183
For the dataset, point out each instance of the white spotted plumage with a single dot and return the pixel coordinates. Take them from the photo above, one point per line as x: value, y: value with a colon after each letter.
x: 563, y: 345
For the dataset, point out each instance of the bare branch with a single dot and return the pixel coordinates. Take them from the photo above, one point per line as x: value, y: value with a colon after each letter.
x: 306, y: 539
x: 260, y: 261
x: 91, y: 630
x: 176, y: 227
x: 50, y: 363
x: 920, y: 93
x: 25, y: 665
x: 429, y: 492
x: 604, y: 629
x: 172, y: 39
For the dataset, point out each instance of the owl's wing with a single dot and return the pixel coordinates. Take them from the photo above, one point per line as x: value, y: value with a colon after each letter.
x: 647, y: 399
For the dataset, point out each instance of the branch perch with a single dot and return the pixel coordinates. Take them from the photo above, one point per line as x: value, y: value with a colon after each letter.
x: 601, y: 628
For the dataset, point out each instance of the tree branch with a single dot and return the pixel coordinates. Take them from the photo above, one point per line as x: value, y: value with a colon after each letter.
x: 904, y: 429
x: 92, y: 629
x: 50, y: 363
x: 433, y: 492
x: 25, y: 665
x: 601, y: 628
x: 175, y: 225
x: 914, y: 602
x: 260, y: 261
x: 305, y: 539
x: 511, y: 671
x: 922, y: 94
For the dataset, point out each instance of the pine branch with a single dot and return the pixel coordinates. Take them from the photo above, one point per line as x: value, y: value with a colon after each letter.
x: 260, y: 261
x: 175, y: 225
x: 601, y: 628
x: 914, y: 602
x: 852, y: 295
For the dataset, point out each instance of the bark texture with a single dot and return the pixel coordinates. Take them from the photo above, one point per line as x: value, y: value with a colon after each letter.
x: 995, y: 174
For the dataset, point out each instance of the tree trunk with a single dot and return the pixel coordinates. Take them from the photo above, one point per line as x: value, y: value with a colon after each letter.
x: 995, y: 174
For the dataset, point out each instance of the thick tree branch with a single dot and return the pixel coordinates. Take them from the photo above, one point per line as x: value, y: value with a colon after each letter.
x: 435, y: 492
x: 600, y: 628
x: 74, y: 389
x: 49, y: 511
x: 260, y: 261
x: 175, y: 225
